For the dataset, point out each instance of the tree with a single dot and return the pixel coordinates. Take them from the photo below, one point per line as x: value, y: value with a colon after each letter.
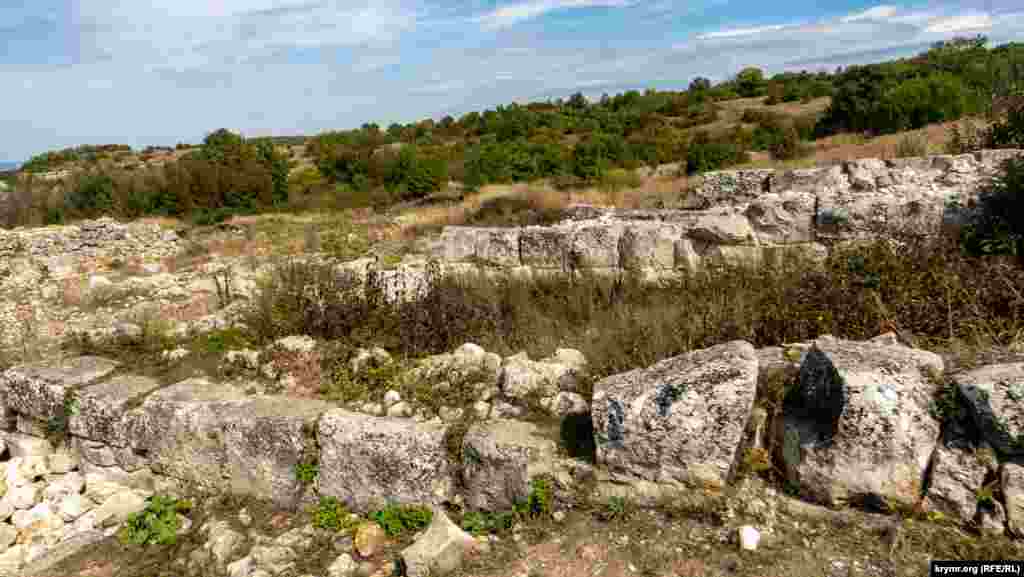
x: 750, y: 82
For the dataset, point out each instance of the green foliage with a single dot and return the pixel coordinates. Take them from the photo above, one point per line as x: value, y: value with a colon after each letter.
x: 221, y: 341
x: 332, y: 515
x: 540, y: 499
x: 951, y: 80
x: 92, y: 195
x: 57, y: 425
x: 157, y: 524
x: 997, y: 226
x: 397, y: 520
x: 750, y: 82
x: 307, y: 472
x: 705, y: 154
x: 616, y: 509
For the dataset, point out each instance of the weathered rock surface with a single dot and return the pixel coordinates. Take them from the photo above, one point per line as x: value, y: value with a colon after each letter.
x: 500, y: 457
x: 995, y: 395
x: 679, y: 421
x: 366, y: 461
x: 858, y: 425
x: 956, y: 477
x: 440, y: 550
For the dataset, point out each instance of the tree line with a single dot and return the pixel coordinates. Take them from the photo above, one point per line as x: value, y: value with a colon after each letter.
x: 572, y: 142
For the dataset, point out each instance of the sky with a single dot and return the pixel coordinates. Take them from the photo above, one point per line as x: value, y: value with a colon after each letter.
x: 78, y: 72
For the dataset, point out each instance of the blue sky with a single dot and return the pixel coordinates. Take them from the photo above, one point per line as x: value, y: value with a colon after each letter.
x: 108, y: 71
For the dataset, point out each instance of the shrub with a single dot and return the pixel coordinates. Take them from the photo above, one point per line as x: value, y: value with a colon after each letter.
x: 997, y: 226
x: 788, y: 145
x: 706, y: 154
x: 966, y: 136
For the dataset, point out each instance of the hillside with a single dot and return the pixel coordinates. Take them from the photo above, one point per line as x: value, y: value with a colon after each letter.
x: 902, y: 107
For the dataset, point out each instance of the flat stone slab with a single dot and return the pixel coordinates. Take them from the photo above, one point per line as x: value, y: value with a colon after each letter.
x: 38, y: 390
x: 368, y: 461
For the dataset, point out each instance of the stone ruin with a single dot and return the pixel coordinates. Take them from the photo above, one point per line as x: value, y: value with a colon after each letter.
x: 860, y: 429
x: 738, y: 216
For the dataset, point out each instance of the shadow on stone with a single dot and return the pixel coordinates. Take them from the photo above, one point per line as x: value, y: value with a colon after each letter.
x: 577, y: 434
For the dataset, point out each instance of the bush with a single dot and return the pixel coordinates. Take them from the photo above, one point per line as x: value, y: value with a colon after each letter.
x: 705, y: 154
x: 788, y: 145
x: 621, y: 324
x: 997, y: 226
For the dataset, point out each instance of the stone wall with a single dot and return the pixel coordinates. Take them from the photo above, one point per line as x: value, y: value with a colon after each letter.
x: 744, y: 216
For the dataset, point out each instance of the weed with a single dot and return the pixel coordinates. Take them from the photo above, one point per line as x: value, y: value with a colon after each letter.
x: 985, y: 496
x: 307, y: 472
x: 333, y: 515
x: 616, y: 509
x: 397, y: 520
x: 157, y: 524
x: 220, y: 341
x: 57, y: 426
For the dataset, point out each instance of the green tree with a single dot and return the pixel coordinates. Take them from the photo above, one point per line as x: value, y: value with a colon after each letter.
x: 750, y: 82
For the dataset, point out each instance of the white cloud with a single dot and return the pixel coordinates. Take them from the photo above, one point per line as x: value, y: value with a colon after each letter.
x: 510, y: 14
x: 960, y: 23
x: 738, y: 32
x: 881, y: 12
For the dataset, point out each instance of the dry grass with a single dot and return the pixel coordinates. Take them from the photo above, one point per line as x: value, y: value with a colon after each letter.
x: 850, y: 146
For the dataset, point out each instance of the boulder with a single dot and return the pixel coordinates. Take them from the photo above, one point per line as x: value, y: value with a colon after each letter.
x: 858, y: 425
x: 366, y: 461
x: 440, y: 550
x: 468, y: 366
x: 500, y: 457
x: 679, y: 421
x: 995, y: 398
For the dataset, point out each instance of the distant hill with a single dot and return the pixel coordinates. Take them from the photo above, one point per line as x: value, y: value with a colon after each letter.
x: 6, y: 166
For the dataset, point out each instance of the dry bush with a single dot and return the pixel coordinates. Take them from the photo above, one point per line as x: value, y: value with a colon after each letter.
x: 925, y: 287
